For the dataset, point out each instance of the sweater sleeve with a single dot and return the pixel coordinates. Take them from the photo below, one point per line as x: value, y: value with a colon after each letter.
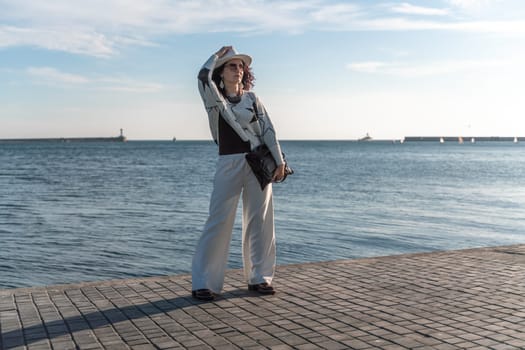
x: 268, y: 134
x: 216, y: 105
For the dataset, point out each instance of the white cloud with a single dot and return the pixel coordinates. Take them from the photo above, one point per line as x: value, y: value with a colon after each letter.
x: 367, y: 67
x: 409, y: 9
x: 101, y: 28
x: 53, y: 77
x: 85, y: 42
x: 412, y: 70
x: 488, y: 9
x: 507, y: 28
x: 126, y: 85
x: 472, y: 4
x: 335, y: 12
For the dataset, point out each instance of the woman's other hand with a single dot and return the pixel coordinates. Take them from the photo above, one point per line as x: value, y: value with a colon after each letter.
x: 278, y: 175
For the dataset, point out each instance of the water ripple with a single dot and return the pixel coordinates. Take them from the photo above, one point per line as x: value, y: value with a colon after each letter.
x: 75, y: 212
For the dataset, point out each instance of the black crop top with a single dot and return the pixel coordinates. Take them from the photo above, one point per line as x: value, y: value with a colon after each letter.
x: 229, y: 141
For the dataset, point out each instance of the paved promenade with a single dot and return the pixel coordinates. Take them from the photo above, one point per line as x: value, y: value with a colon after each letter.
x: 469, y: 299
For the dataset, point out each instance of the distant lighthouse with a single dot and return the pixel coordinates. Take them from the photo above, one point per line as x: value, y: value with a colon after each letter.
x: 122, y: 138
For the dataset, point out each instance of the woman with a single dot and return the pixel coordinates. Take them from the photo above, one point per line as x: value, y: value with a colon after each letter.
x: 238, y: 123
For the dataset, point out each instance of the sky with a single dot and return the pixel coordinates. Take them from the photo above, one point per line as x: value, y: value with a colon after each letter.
x: 325, y: 69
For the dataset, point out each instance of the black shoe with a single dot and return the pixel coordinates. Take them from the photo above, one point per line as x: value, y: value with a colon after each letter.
x: 203, y: 294
x: 262, y: 288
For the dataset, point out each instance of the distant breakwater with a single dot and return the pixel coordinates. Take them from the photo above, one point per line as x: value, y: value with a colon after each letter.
x: 69, y: 139
x: 120, y: 138
x: 463, y: 138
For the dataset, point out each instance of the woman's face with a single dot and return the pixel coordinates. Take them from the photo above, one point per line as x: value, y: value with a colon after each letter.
x: 233, y: 71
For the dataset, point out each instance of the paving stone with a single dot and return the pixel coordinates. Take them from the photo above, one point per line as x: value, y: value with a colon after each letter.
x: 467, y: 299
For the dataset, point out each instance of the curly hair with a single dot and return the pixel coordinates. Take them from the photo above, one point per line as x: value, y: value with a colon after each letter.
x: 248, y: 78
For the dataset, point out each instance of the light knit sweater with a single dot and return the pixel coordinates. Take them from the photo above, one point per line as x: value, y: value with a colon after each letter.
x: 254, y: 127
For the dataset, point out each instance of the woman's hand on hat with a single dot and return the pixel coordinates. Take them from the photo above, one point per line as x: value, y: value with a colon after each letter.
x: 223, y: 51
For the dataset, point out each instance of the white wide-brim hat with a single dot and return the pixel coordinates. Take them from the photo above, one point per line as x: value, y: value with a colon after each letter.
x: 233, y: 54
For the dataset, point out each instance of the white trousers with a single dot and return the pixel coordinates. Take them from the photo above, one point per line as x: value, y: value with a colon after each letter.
x: 233, y: 176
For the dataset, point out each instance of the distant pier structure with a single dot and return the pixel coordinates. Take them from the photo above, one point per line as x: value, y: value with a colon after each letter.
x: 120, y: 138
x: 459, y: 139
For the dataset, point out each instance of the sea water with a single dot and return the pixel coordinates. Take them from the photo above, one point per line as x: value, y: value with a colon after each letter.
x: 73, y: 212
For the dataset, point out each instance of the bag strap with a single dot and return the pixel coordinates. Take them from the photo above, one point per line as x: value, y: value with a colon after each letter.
x: 256, y: 110
x: 287, y: 170
x: 254, y: 103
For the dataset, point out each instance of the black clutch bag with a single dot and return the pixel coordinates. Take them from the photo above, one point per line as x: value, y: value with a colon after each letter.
x: 263, y: 165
